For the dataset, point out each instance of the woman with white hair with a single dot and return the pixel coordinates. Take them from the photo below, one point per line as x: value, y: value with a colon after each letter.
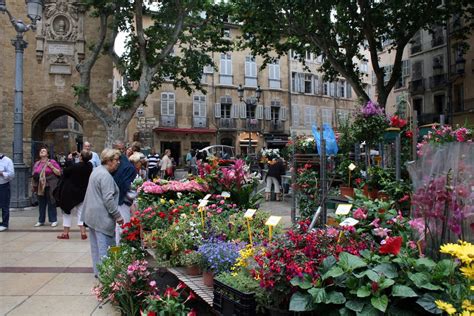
x: 100, y: 211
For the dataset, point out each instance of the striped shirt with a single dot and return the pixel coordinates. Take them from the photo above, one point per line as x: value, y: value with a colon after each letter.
x: 153, y: 160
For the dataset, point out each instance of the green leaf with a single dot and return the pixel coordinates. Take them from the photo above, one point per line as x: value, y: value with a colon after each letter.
x: 333, y: 273
x: 300, y: 302
x: 352, y: 283
x: 355, y: 305
x: 444, y: 268
x: 304, y: 283
x: 422, y: 281
x: 387, y: 269
x: 386, y: 283
x: 327, y: 264
x: 318, y: 294
x: 403, y: 291
x: 380, y: 302
x: 427, y: 302
x: 335, y: 298
x: 363, y: 292
x: 344, y: 312
x: 368, y: 311
x: 350, y: 262
x: 373, y: 276
x: 425, y: 262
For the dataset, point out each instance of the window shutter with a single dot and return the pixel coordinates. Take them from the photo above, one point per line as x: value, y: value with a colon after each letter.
x: 171, y: 105
x: 234, y: 111
x: 268, y: 113
x: 316, y: 85
x: 259, y: 112
x: 348, y: 90
x: 243, y: 110
x: 282, y: 113
x: 307, y: 116
x: 217, y: 110
x: 295, y: 113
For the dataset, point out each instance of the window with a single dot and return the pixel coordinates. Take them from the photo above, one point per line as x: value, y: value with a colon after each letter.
x: 275, y: 111
x: 364, y: 67
x: 168, y: 104
x: 294, y: 55
x: 405, y: 68
x: 342, y: 116
x: 438, y: 63
x: 437, y: 36
x: 326, y: 88
x: 326, y: 116
x: 209, y: 69
x: 295, y: 113
x: 199, y: 106
x: 416, y: 43
x: 319, y: 59
x: 417, y: 70
x: 226, y: 107
x: 332, y: 89
x: 250, y: 71
x: 387, y: 73
x: 308, y: 56
x: 226, y: 32
x: 341, y: 89
x: 308, y: 83
x: 348, y: 90
x: 226, y: 69
x: 317, y: 88
x: 297, y: 82
x: 309, y: 116
x: 274, y: 75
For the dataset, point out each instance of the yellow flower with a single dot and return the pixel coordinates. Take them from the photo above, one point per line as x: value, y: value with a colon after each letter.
x: 467, y: 306
x: 162, y: 201
x: 468, y: 271
x: 448, y: 308
x: 463, y: 250
x: 171, y: 202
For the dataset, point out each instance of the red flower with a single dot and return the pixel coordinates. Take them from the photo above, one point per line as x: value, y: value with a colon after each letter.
x: 409, y: 134
x: 191, y: 296
x: 358, y: 181
x: 170, y: 292
x: 375, y: 286
x: 392, y: 246
x: 181, y: 285
x: 192, y: 313
x: 161, y: 215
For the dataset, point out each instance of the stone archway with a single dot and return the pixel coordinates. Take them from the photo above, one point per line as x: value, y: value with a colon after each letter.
x: 59, y: 127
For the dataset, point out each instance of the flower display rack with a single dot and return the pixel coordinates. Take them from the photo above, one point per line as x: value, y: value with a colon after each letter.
x: 229, y: 301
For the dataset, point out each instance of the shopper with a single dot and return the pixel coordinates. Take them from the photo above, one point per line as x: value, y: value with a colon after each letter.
x: 73, y: 191
x: 276, y: 169
x: 100, y: 209
x: 46, y: 174
x: 95, y: 161
x: 7, y: 172
x: 153, y: 162
x: 167, y: 165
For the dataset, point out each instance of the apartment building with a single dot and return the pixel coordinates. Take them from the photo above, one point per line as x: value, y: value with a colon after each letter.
x: 291, y: 97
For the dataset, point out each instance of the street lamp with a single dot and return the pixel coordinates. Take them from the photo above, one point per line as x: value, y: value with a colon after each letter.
x: 20, y: 184
x: 248, y: 103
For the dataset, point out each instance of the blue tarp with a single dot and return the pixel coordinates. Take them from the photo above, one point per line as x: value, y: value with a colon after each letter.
x: 329, y: 137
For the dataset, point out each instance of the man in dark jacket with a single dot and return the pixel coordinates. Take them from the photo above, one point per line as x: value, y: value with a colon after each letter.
x: 72, y: 192
x: 124, y: 177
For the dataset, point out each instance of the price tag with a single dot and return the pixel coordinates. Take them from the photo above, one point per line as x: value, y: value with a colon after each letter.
x: 250, y: 213
x: 202, y: 203
x: 207, y: 197
x: 349, y: 222
x: 343, y: 209
x: 273, y: 220
x: 351, y: 167
x: 225, y: 194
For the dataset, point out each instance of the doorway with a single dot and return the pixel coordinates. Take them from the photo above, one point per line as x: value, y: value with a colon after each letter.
x: 175, y: 148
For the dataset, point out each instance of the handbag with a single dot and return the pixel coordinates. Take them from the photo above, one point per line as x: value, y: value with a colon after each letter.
x: 169, y: 171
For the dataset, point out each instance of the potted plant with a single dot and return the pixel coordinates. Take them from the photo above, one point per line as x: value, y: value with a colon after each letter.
x: 218, y: 256
x: 191, y: 260
x: 237, y: 294
x: 171, y: 302
x: 347, y: 176
x: 370, y: 124
x: 377, y: 177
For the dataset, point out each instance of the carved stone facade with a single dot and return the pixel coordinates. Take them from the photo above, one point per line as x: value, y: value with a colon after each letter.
x: 49, y: 74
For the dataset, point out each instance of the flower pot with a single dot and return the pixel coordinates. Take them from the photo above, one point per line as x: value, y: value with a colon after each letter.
x: 208, y: 278
x: 193, y: 270
x: 347, y: 191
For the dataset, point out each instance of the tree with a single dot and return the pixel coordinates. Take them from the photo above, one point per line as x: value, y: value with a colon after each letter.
x: 341, y: 30
x: 175, y: 44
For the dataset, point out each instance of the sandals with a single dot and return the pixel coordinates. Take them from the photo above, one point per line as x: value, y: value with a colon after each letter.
x: 83, y: 236
x: 63, y: 236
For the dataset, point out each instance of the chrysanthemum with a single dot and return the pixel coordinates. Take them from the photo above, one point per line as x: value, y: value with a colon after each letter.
x: 468, y: 271
x: 448, y: 308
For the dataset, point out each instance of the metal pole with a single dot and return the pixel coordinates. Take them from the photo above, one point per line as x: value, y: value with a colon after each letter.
x: 322, y: 156
x: 397, y: 156
x: 415, y: 134
x: 20, y: 186
x: 293, y: 177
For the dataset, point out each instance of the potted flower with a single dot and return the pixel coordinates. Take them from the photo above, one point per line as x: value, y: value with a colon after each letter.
x: 348, y: 172
x: 370, y: 124
x: 377, y: 177
x: 218, y: 256
x: 191, y: 260
x: 171, y: 302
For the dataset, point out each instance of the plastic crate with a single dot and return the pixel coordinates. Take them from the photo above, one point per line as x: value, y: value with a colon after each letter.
x: 229, y: 301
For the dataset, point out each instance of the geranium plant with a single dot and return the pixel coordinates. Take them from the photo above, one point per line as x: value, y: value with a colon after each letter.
x: 171, y: 303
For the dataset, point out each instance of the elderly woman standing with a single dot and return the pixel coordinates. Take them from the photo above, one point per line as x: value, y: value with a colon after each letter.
x: 167, y: 165
x: 45, y: 179
x: 100, y: 211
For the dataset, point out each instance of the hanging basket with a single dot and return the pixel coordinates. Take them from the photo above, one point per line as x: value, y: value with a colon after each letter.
x: 391, y: 133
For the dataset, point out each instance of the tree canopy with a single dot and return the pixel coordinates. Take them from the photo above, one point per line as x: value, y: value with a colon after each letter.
x: 166, y: 39
x: 341, y: 30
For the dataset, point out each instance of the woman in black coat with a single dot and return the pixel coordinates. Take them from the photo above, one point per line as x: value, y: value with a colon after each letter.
x: 73, y: 191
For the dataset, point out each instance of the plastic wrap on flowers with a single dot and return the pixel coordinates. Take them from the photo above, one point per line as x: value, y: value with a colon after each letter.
x: 443, y: 183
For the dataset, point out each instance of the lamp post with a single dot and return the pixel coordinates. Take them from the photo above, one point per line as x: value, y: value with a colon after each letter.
x: 248, y: 103
x: 20, y: 184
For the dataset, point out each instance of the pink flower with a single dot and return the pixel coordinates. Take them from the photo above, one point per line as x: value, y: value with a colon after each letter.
x: 375, y: 222
x: 382, y: 232
x: 412, y: 244
x: 359, y: 214
x: 418, y: 224
x: 219, y: 210
x: 153, y: 283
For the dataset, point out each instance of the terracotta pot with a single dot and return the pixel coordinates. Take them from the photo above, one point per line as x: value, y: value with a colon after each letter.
x: 383, y: 196
x: 208, y: 278
x: 193, y: 270
x: 347, y: 191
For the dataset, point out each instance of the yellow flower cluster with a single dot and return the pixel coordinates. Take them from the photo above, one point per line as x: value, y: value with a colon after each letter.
x: 463, y: 250
x: 242, y: 262
x: 448, y: 308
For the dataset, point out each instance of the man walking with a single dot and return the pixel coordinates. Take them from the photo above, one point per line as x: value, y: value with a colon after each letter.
x: 153, y: 162
x: 7, y: 172
x: 95, y: 161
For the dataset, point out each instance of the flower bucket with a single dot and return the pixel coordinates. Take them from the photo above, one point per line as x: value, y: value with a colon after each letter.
x: 391, y: 133
x: 347, y: 191
x: 193, y: 270
x: 208, y: 278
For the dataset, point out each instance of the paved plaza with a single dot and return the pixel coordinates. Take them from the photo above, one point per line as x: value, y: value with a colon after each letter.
x: 42, y: 275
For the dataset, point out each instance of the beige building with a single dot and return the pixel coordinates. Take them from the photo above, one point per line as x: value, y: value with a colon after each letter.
x: 291, y: 99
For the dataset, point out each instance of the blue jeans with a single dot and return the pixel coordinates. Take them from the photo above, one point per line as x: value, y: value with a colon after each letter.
x: 5, y: 203
x: 100, y: 243
x: 44, y: 201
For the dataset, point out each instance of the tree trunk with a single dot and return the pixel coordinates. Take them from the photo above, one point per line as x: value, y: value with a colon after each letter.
x: 114, y: 131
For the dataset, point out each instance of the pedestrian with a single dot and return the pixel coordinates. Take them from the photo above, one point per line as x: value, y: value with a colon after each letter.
x: 75, y: 180
x: 166, y: 165
x: 189, y: 158
x: 7, y: 173
x: 100, y: 209
x: 95, y: 161
x: 276, y: 169
x: 123, y: 177
x: 137, y: 160
x: 46, y: 174
x: 153, y: 160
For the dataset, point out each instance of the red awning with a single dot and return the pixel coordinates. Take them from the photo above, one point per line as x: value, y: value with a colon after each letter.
x: 185, y: 130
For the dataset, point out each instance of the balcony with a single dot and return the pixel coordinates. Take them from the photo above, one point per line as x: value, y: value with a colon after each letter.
x: 417, y: 86
x: 168, y: 121
x: 200, y: 122
x: 437, y: 41
x: 253, y: 125
x: 415, y: 48
x: 227, y: 123
x: 276, y: 126
x: 438, y: 82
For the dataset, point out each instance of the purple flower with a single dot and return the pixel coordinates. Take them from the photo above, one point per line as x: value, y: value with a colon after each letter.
x: 371, y: 109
